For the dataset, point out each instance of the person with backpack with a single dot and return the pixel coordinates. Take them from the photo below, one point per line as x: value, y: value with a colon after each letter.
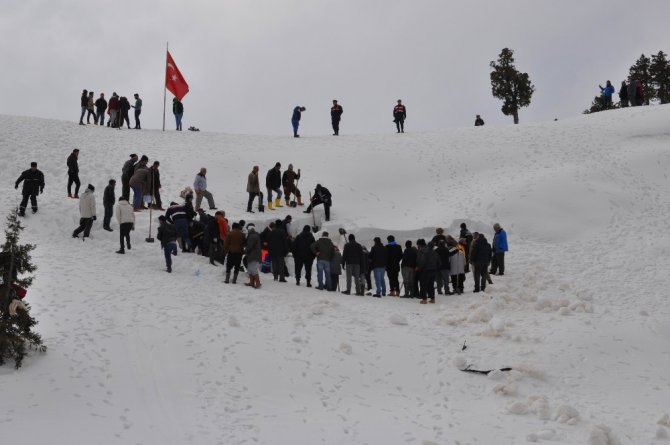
x: 321, y: 196
x: 379, y: 259
x: 352, y: 256
x: 33, y: 184
x: 108, y: 199
x: 393, y: 259
x: 178, y: 111
x: 273, y: 184
x: 399, y: 116
x: 73, y: 174
x: 167, y: 235
x: 295, y: 119
x: 86, y: 213
x: 481, y: 256
x: 125, y: 216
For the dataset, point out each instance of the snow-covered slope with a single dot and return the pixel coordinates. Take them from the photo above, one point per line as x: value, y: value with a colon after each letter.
x: 140, y: 356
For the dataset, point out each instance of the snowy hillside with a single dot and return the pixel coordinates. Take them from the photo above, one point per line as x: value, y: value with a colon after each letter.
x: 139, y: 356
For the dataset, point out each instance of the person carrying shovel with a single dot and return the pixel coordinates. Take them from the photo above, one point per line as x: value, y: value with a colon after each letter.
x: 290, y: 183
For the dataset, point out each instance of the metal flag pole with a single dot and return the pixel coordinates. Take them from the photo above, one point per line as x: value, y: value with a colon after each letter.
x: 167, y: 50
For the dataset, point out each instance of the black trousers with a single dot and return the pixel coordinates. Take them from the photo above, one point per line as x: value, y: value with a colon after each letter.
x: 109, y: 209
x: 73, y: 178
x: 85, y: 225
x: 479, y: 272
x: 233, y: 261
x: 394, y: 283
x: 137, y: 118
x: 315, y: 202
x: 252, y: 196
x: 299, y: 264
x: 400, y: 125
x: 457, y: 281
x: 336, y: 125
x: 125, y: 187
x: 157, y: 199
x: 498, y: 263
x: 278, y: 267
x: 427, y: 281
x: 124, y: 234
x: 24, y: 201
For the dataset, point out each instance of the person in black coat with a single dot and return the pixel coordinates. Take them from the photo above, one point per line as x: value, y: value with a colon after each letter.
x: 428, y: 264
x: 84, y: 106
x: 73, y: 174
x: 479, y: 122
x: 399, y: 116
x: 467, y: 236
x: 481, y: 256
x: 33, y: 184
x: 352, y: 260
x: 335, y: 117
x: 278, y: 248
x: 378, y: 258
x: 108, y: 200
x: 393, y: 258
x: 125, y: 107
x: 321, y: 196
x: 273, y: 184
x: 156, y: 186
x: 408, y: 265
x: 303, y: 255
x: 442, y: 275
x: 126, y: 173
x: 100, y: 109
x: 366, y: 269
x: 167, y: 235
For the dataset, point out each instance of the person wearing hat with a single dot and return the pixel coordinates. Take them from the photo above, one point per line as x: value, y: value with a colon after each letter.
x: 138, y: 110
x: 126, y: 173
x: 108, y: 199
x: 73, y: 174
x: 321, y: 196
x: 86, y: 212
x: 324, y: 251
x: 125, y: 216
x: 33, y: 184
x: 167, y: 235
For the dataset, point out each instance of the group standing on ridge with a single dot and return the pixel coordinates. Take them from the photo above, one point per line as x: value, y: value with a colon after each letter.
x: 117, y: 109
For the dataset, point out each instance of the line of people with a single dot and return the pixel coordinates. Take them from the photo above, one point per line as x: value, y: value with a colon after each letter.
x: 631, y: 93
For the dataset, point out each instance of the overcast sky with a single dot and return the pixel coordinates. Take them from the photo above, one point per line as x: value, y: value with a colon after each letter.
x: 249, y: 62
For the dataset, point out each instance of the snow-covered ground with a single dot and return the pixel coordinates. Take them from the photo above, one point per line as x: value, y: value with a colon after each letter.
x: 138, y: 356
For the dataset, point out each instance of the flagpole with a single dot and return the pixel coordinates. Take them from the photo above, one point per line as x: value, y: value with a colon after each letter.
x: 167, y: 50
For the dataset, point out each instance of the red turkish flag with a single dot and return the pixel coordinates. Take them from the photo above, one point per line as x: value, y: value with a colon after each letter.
x: 174, y: 81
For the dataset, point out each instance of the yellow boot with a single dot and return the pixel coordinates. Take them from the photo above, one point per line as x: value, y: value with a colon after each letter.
x: 270, y: 205
x: 278, y: 203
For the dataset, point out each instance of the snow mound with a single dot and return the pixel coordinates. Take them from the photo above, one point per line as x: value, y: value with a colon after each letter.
x: 567, y: 414
x: 480, y: 315
x: 346, y: 348
x: 518, y: 408
x: 398, y: 319
x: 602, y: 435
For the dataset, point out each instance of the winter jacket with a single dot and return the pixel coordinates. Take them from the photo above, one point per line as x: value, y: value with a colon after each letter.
x: 378, y: 256
x: 101, y: 105
x: 393, y: 256
x: 212, y: 233
x: 289, y: 177
x: 87, y: 204
x: 113, y: 103
x: 223, y: 228
x: 323, y: 249
x: 481, y: 252
x: 72, y: 165
x: 177, y: 107
x: 200, y: 182
x: 278, y: 243
x: 336, y: 112
x: 142, y: 179
x: 138, y: 105
x: 176, y: 212
x: 167, y: 233
x: 623, y: 92
x: 297, y: 114
x: 428, y: 261
x: 253, y: 248
x: 399, y: 112
x: 84, y: 99
x: 607, y: 91
x: 33, y: 182
x: 273, y: 179
x: 323, y: 195
x: 90, y: 104
x: 336, y: 264
x: 479, y: 122
x: 500, y: 241
x: 155, y: 179
x: 456, y: 261
x: 443, y: 253
x: 108, y: 197
x: 128, y: 169
x: 124, y: 213
x: 302, y: 246
x: 252, y: 183
x: 352, y: 254
x: 409, y: 257
x: 234, y: 242
x: 124, y: 105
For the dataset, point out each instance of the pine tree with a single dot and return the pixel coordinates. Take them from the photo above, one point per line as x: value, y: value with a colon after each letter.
x: 597, y: 105
x: 16, y: 335
x: 659, y: 71
x: 640, y: 71
x: 510, y: 85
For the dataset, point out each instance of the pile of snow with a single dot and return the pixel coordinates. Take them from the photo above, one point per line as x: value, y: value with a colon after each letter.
x: 137, y: 355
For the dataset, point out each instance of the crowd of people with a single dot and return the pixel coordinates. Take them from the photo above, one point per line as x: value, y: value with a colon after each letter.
x: 630, y: 94
x: 117, y: 109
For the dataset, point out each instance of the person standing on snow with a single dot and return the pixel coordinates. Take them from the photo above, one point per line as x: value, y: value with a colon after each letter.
x: 288, y: 180
x: 321, y: 196
x: 90, y: 108
x: 100, y: 108
x: 295, y: 119
x: 254, y: 189
x: 393, y: 258
x: 73, y: 174
x: 335, y: 269
x: 138, y: 111
x: 234, y: 246
x: 167, y: 235
x: 479, y: 122
x: 252, y: 251
x: 113, y: 111
x: 156, y: 186
x: 352, y: 256
x: 33, y: 184
x: 335, y: 117
x: 140, y: 182
x: 324, y: 250
x: 399, y: 116
x: 408, y: 267
x: 108, y: 199
x: 278, y: 247
x: 442, y: 275
x: 273, y: 184
x: 124, y: 106
x: 303, y: 255
x: 379, y: 259
x: 623, y: 95
x: 480, y: 258
x: 125, y: 216
x: 178, y: 111
x: 84, y: 106
x: 500, y: 243
x: 200, y: 188
x: 427, y: 264
x: 607, y: 94
x: 126, y: 173
x: 86, y: 213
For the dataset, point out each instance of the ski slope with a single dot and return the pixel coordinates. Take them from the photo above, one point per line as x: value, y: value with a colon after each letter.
x: 139, y: 356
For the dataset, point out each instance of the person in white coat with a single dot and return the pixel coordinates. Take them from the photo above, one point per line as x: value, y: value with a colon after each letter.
x: 125, y: 216
x: 86, y: 213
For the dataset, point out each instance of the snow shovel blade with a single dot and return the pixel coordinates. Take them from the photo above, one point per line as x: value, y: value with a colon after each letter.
x: 149, y: 240
x: 293, y: 204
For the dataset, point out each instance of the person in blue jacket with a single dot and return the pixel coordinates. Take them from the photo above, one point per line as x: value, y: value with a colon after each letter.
x: 607, y: 94
x: 295, y: 120
x: 500, y: 247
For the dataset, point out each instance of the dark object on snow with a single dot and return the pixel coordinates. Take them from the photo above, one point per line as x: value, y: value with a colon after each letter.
x: 475, y: 371
x: 464, y: 346
x: 192, y: 128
